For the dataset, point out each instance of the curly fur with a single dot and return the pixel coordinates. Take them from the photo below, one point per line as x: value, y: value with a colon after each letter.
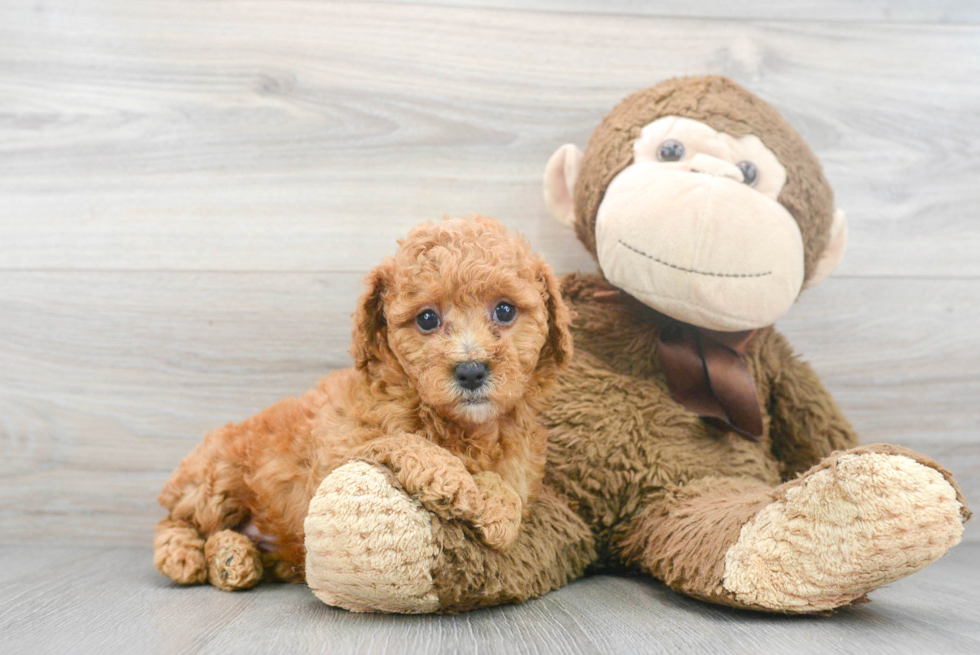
x: 399, y: 406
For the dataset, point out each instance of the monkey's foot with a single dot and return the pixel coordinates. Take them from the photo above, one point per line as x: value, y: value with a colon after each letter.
x: 233, y: 561
x: 858, y: 520
x: 369, y: 546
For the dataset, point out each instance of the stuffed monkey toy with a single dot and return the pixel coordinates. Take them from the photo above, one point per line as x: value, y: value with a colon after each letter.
x: 687, y: 441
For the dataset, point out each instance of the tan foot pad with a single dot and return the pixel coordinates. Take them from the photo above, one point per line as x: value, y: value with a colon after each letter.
x: 842, y: 531
x: 369, y: 547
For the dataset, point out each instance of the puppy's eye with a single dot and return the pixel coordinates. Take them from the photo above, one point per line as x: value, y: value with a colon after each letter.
x: 504, y: 313
x: 427, y: 320
x: 670, y: 150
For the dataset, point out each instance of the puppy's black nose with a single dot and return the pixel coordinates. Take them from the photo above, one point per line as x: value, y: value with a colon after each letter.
x: 471, y: 375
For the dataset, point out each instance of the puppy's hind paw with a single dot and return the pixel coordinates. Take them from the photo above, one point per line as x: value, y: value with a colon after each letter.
x: 500, y: 519
x: 178, y: 553
x: 233, y: 561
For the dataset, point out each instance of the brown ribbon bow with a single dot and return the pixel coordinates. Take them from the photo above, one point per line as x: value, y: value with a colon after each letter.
x: 706, y: 372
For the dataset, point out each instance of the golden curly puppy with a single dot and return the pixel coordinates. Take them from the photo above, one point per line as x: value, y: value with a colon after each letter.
x: 455, y: 343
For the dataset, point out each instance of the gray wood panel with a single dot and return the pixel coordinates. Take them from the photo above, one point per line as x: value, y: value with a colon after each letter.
x: 107, y: 379
x: 86, y: 600
x: 257, y: 136
x: 943, y: 11
x: 190, y: 193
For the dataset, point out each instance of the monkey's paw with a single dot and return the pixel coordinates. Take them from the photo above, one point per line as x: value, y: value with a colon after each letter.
x: 859, y: 520
x: 369, y: 546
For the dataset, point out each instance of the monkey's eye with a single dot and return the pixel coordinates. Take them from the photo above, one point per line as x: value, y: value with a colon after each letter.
x: 504, y: 313
x: 670, y: 150
x: 750, y: 174
x: 427, y: 320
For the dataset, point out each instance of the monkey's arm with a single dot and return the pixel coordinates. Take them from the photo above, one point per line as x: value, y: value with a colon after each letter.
x: 807, y: 425
x: 440, y: 482
x: 420, y: 562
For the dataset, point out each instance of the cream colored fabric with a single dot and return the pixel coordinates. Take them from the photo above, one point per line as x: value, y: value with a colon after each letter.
x: 700, y: 139
x: 834, y: 252
x: 691, y: 239
x: 715, y: 254
x: 559, y: 180
x: 843, y: 531
x: 369, y: 546
x: 701, y: 163
x: 702, y: 248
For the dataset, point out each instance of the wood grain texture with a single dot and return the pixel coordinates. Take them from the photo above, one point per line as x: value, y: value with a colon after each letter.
x: 248, y: 135
x: 942, y: 11
x: 87, y: 600
x: 190, y: 193
x: 107, y: 379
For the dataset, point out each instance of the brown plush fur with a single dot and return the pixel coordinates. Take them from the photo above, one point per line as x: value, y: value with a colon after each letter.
x: 646, y: 443
x: 399, y: 406
x: 653, y: 486
x: 633, y: 478
x: 669, y: 540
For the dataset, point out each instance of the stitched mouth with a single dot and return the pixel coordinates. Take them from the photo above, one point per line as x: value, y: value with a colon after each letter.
x: 689, y: 270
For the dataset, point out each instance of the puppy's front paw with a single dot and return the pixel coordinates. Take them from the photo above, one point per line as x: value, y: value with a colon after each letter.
x: 499, y: 520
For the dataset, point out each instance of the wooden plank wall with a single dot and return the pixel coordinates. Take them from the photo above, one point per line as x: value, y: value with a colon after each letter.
x: 190, y: 193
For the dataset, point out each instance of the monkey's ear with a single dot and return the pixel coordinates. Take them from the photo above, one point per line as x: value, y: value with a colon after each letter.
x: 559, y: 181
x: 369, y: 340
x: 834, y: 251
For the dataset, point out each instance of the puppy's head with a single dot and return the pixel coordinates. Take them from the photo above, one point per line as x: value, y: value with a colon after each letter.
x: 469, y: 315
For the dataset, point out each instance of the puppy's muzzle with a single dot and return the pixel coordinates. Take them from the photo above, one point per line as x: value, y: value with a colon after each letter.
x: 471, y: 375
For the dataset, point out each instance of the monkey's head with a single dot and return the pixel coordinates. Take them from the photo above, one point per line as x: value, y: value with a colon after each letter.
x: 699, y: 199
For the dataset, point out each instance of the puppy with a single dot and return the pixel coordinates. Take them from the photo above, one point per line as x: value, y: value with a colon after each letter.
x: 455, y: 343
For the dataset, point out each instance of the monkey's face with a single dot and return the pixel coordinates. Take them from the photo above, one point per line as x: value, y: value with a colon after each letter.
x: 693, y: 226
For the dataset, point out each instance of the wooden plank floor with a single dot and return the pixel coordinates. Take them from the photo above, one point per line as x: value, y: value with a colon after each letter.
x: 93, y: 600
x: 190, y: 193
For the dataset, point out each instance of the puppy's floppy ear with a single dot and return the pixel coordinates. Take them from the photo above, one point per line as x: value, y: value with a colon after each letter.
x: 557, y: 350
x: 369, y: 341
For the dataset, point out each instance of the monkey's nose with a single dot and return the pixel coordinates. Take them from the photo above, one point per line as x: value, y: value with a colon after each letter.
x: 702, y: 163
x: 471, y: 375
